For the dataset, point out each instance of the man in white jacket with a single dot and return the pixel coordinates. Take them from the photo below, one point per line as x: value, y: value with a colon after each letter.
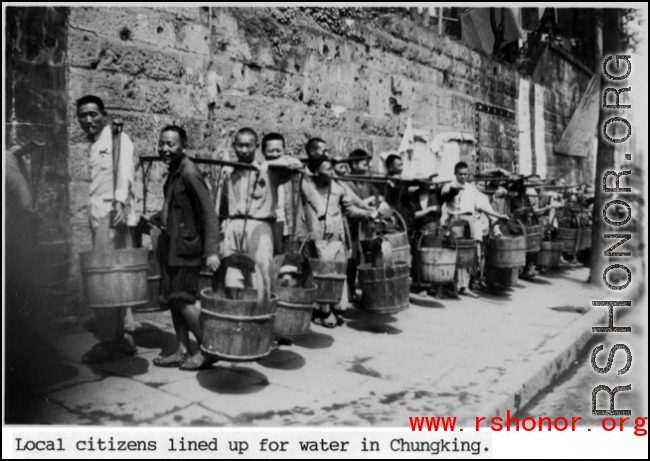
x: 107, y: 205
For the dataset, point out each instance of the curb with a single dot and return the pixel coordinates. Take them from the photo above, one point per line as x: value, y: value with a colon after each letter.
x: 581, y: 333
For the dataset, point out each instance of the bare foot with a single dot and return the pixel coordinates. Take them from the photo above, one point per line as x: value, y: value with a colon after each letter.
x: 174, y: 360
x: 197, y: 362
x: 468, y: 292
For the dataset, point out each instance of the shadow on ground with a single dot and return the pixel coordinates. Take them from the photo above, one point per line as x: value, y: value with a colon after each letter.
x: 371, y: 323
x: 235, y: 380
x: 314, y: 340
x: 282, y: 359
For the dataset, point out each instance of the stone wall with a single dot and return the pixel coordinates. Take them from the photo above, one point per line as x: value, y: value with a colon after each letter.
x: 354, y: 76
x: 35, y: 110
x: 565, y: 84
x: 36, y: 102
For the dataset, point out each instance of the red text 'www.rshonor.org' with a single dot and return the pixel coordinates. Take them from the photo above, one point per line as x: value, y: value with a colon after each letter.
x: 528, y: 423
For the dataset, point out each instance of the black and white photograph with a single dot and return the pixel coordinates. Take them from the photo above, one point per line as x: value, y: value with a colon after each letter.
x: 325, y: 216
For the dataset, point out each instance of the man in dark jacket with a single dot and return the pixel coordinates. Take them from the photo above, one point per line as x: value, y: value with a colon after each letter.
x: 189, y: 234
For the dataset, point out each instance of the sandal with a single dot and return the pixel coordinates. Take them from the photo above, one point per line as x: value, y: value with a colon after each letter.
x: 171, y: 361
x: 197, y: 362
x: 330, y: 322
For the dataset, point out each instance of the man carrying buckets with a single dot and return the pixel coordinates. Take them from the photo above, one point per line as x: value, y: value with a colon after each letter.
x: 249, y: 201
x: 328, y: 235
x: 462, y: 199
x: 189, y: 234
x: 111, y: 217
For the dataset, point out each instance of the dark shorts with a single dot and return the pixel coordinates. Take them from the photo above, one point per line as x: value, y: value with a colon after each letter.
x: 179, y: 283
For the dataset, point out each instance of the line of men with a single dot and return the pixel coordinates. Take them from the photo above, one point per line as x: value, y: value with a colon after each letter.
x: 262, y: 210
x: 190, y: 227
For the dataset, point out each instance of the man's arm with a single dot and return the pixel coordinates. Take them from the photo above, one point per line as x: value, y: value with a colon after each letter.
x: 350, y: 209
x: 448, y: 192
x: 483, y: 205
x: 282, y: 175
x: 356, y: 200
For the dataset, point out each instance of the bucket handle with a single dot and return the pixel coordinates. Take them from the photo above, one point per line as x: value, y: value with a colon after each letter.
x: 516, y: 221
x: 401, y: 220
x: 526, y: 211
x: 451, y: 236
x: 467, y: 227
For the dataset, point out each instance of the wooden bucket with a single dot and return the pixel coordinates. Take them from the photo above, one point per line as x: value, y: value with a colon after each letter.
x: 533, y: 238
x: 294, y: 310
x: 465, y: 253
x: 508, y: 277
x: 400, y: 246
x: 237, y: 330
x: 237, y: 323
x: 399, y: 242
x: 568, y: 237
x: 154, y: 282
x: 550, y: 254
x: 385, y: 290
x: 533, y: 229
x: 295, y: 304
x: 506, y: 251
x: 437, y: 265
x: 568, y: 232
x: 115, y: 278
x: 330, y: 279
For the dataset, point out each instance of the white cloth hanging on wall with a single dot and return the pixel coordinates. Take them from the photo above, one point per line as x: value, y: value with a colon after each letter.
x: 525, y: 135
x: 540, y: 133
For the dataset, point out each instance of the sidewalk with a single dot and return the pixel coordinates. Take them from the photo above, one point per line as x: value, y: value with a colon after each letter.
x: 470, y: 357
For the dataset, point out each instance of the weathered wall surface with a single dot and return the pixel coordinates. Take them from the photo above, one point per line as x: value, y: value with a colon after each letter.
x: 354, y: 77
x: 36, y: 103
x: 36, y: 108
x: 565, y: 84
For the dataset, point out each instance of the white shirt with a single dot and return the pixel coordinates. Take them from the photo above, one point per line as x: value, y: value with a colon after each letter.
x: 468, y: 200
x: 280, y: 212
x: 101, y: 174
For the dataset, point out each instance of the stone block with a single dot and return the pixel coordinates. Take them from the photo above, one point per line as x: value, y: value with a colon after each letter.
x: 79, y: 167
x: 83, y: 48
x: 139, y: 60
x: 227, y: 40
x: 108, y: 399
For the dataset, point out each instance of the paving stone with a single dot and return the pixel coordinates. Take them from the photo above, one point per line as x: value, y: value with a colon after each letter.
x: 118, y: 400
x: 194, y: 415
x: 255, y: 408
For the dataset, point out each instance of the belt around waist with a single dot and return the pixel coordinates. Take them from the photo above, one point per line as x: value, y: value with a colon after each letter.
x: 267, y: 220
